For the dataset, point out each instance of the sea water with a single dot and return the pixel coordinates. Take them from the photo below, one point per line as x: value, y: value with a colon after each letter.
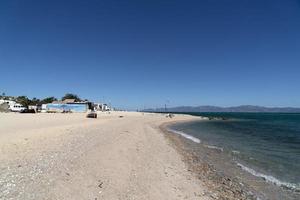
x: 267, y: 145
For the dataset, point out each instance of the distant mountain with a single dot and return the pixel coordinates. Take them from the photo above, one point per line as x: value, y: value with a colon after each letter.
x: 243, y: 108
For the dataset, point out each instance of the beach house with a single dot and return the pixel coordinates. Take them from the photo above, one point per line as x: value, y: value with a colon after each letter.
x: 68, y: 105
x: 102, y: 107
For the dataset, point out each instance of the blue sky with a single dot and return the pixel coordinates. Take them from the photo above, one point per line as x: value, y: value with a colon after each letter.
x: 146, y: 53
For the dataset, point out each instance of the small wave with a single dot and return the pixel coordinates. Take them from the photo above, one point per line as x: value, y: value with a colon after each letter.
x: 214, y: 147
x: 269, y: 178
x: 235, y: 152
x: 194, y: 139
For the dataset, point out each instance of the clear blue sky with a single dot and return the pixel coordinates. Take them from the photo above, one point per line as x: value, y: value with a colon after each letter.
x: 145, y: 53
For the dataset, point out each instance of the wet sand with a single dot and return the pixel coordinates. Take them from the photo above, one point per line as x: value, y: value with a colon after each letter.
x: 218, y: 170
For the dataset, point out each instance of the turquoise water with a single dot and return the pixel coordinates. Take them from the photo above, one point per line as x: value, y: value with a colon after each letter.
x: 264, y: 144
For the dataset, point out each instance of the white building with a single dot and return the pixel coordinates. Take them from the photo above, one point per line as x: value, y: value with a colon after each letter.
x: 102, y: 107
x: 13, y: 106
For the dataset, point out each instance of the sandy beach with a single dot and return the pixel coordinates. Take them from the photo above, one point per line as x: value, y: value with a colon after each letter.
x: 68, y: 156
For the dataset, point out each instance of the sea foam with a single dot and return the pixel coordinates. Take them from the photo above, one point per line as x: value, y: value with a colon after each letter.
x: 214, y: 147
x: 194, y: 139
x: 269, y: 178
x: 235, y: 152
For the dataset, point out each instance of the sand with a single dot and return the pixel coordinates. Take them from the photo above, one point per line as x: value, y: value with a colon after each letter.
x: 68, y: 156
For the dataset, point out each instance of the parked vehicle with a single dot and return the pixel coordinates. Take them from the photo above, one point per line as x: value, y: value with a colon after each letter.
x: 13, y: 106
x: 16, y: 107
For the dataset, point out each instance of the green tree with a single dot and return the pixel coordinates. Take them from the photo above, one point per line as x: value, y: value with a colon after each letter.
x: 71, y: 96
x: 2, y: 95
x: 48, y: 100
x: 24, y: 100
x: 35, y: 101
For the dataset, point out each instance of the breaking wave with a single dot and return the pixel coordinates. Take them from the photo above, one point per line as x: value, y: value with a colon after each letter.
x: 194, y: 139
x: 214, y: 147
x: 269, y: 178
x: 235, y: 152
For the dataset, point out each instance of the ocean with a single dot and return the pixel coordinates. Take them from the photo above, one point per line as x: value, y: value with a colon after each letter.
x: 266, y: 145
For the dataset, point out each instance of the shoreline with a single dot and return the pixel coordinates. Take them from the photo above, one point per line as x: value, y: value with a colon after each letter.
x: 67, y: 156
x: 223, y: 187
x: 134, y: 156
x: 210, y: 164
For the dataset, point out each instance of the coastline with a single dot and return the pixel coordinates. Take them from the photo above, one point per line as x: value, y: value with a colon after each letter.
x: 220, y: 173
x: 68, y: 156
x: 224, y: 187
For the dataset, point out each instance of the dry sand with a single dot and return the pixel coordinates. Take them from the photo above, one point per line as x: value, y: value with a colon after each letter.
x: 67, y: 156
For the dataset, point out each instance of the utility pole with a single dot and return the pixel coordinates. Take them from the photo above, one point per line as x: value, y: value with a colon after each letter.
x: 167, y: 101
